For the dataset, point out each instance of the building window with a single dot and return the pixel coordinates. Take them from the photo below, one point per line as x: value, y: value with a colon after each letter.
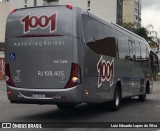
x: 136, y: 17
x: 25, y: 2
x: 89, y: 3
x: 35, y: 2
x: 136, y: 11
x: 119, y: 11
x: 136, y: 5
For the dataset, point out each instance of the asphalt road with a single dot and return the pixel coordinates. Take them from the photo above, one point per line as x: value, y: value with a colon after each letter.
x: 130, y: 111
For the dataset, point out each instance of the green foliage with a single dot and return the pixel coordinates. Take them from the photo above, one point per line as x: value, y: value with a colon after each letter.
x: 139, y: 31
x: 143, y: 33
x: 129, y: 26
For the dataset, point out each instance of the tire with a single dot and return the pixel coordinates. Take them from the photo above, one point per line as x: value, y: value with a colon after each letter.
x: 115, y: 104
x: 142, y: 97
x: 90, y: 104
x: 65, y: 106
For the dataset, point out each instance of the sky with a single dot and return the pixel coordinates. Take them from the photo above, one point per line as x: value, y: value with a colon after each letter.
x: 151, y: 14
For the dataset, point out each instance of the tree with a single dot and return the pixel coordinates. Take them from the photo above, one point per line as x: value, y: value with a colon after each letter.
x: 143, y: 32
x: 129, y: 26
x: 147, y: 33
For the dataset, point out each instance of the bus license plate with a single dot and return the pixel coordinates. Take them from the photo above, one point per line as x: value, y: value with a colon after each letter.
x: 39, y: 95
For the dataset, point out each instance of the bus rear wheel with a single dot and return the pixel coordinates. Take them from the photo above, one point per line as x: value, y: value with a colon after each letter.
x: 115, y: 104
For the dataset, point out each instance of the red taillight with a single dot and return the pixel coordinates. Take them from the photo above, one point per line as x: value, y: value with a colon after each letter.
x: 13, y: 11
x: 69, y: 7
x: 9, y: 80
x: 75, y: 76
x: 9, y: 92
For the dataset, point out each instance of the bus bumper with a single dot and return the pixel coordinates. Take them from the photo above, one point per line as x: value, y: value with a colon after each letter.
x: 45, y: 96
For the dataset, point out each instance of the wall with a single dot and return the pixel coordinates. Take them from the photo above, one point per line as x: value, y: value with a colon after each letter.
x: 4, y: 11
x: 128, y: 11
x: 15, y: 4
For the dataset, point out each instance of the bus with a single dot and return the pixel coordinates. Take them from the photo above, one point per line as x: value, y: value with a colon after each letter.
x: 65, y: 55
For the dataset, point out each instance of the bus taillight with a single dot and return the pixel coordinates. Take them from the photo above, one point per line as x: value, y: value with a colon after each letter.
x: 13, y: 11
x: 9, y: 92
x: 9, y: 80
x: 75, y: 76
x: 69, y: 7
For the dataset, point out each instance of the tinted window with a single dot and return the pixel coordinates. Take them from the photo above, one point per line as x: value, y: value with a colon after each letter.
x: 92, y: 29
x: 132, y: 48
x: 99, y: 37
x: 123, y: 46
x: 138, y: 50
x: 144, y: 51
x: 109, y: 41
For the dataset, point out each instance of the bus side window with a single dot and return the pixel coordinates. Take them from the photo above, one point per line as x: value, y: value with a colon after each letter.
x: 138, y: 50
x: 123, y: 46
x: 147, y: 52
x: 92, y: 29
x: 132, y: 49
x: 109, y: 41
x: 144, y: 51
x: 99, y: 37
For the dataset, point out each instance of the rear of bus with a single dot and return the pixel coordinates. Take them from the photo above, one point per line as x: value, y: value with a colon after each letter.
x: 40, y: 56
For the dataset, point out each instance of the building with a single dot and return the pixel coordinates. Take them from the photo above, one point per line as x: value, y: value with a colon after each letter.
x: 132, y: 12
x: 5, y: 0
x: 111, y: 10
x: 26, y: 3
x: 4, y: 11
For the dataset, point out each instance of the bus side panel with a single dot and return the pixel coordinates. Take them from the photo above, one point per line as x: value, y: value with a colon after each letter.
x: 102, y: 89
x: 130, y: 74
x: 95, y: 90
x: 102, y: 72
